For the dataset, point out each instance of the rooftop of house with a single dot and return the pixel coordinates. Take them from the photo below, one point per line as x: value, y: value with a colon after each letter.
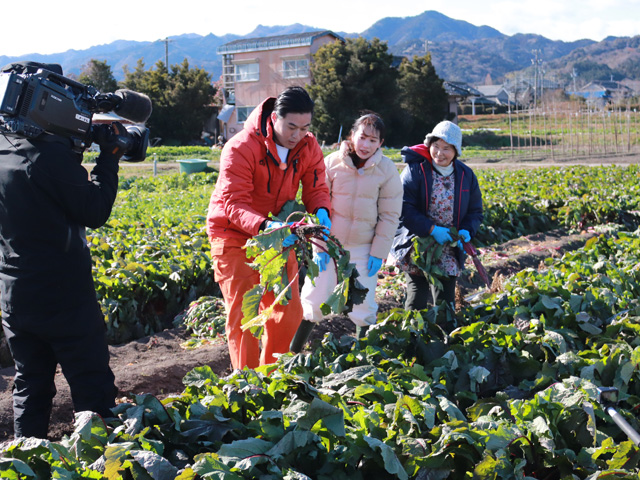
x: 461, y: 89
x: 489, y: 90
x: 274, y: 42
x: 605, y: 85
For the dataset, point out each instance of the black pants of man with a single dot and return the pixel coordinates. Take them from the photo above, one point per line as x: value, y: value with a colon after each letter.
x: 419, y: 294
x: 76, y: 340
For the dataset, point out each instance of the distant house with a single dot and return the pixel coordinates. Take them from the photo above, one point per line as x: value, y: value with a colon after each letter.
x: 496, y: 93
x: 459, y: 93
x: 603, y: 92
x: 256, y: 68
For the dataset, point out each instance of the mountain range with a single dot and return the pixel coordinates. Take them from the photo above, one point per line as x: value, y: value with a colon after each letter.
x: 460, y: 51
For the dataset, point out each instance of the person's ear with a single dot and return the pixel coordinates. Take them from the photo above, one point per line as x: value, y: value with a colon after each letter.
x: 274, y: 116
x: 381, y: 142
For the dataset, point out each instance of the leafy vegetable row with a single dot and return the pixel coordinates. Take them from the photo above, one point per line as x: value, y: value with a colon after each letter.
x: 522, y: 202
x: 502, y: 390
x: 152, y: 257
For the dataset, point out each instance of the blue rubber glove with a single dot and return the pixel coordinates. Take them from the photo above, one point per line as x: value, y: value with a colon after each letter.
x: 465, y: 236
x: 374, y: 265
x: 441, y: 234
x: 321, y: 259
x: 323, y: 218
x: 289, y: 240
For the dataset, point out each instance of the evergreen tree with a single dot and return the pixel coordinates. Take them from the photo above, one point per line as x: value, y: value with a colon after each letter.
x: 348, y: 78
x: 361, y: 75
x: 98, y: 74
x: 180, y: 98
x: 192, y: 94
x: 630, y: 68
x: 423, y: 98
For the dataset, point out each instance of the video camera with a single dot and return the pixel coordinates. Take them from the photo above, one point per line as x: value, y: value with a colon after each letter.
x: 36, y: 98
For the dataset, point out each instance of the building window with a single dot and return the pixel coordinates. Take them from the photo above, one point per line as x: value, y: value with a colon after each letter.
x: 242, y: 113
x: 228, y: 71
x: 247, y: 72
x: 295, y: 68
x: 230, y: 96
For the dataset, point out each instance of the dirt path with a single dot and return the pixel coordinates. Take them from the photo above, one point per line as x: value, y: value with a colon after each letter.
x: 525, y: 162
x: 146, y: 168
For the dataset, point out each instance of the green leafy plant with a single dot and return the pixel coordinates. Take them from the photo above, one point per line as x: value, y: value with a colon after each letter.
x: 501, y: 396
x: 426, y: 255
x: 205, y: 319
x: 270, y: 257
x: 151, y: 259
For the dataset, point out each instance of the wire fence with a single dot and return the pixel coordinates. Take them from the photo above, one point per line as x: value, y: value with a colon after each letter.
x: 573, y: 130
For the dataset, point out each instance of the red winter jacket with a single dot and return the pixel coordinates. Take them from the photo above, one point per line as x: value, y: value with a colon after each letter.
x: 251, y: 185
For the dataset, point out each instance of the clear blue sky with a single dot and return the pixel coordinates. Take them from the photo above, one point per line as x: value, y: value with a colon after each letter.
x: 57, y: 27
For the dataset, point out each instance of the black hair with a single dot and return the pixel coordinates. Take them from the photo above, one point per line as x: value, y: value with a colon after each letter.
x: 433, y: 140
x: 293, y: 100
x: 369, y: 119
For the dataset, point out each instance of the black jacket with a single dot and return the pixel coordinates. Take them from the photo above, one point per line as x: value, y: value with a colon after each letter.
x: 46, y: 201
x: 417, y: 181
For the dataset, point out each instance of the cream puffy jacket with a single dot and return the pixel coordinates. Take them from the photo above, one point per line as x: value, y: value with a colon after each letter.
x: 365, y: 203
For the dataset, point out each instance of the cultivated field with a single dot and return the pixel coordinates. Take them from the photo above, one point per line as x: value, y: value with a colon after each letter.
x: 500, y: 388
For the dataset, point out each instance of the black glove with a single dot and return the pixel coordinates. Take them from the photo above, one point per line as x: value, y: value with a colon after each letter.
x: 113, y: 139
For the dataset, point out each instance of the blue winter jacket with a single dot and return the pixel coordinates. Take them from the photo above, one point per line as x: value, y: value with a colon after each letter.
x: 417, y: 181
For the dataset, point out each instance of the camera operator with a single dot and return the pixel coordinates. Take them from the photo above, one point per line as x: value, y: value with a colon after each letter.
x: 50, y: 314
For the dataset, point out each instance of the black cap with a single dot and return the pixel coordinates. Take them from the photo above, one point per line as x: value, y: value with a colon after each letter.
x: 32, y: 67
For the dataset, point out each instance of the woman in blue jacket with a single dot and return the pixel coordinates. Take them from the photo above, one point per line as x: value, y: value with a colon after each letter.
x: 439, y: 192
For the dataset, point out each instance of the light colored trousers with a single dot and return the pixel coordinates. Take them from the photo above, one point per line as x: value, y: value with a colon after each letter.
x: 313, y: 296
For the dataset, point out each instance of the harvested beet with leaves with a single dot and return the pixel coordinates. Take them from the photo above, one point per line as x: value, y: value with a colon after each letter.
x: 269, y: 257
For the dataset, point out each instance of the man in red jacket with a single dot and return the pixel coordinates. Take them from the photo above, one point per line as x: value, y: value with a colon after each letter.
x: 261, y: 168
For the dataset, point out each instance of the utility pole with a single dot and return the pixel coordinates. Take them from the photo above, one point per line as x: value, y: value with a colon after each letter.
x: 536, y: 64
x: 166, y: 51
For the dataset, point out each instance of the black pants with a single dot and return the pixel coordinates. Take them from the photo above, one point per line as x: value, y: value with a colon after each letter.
x: 419, y: 292
x: 76, y: 340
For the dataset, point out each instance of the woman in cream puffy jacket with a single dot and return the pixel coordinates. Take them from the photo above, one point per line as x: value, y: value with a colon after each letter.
x: 366, y: 202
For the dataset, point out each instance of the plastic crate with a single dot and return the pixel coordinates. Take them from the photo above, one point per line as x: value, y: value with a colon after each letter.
x: 192, y: 165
